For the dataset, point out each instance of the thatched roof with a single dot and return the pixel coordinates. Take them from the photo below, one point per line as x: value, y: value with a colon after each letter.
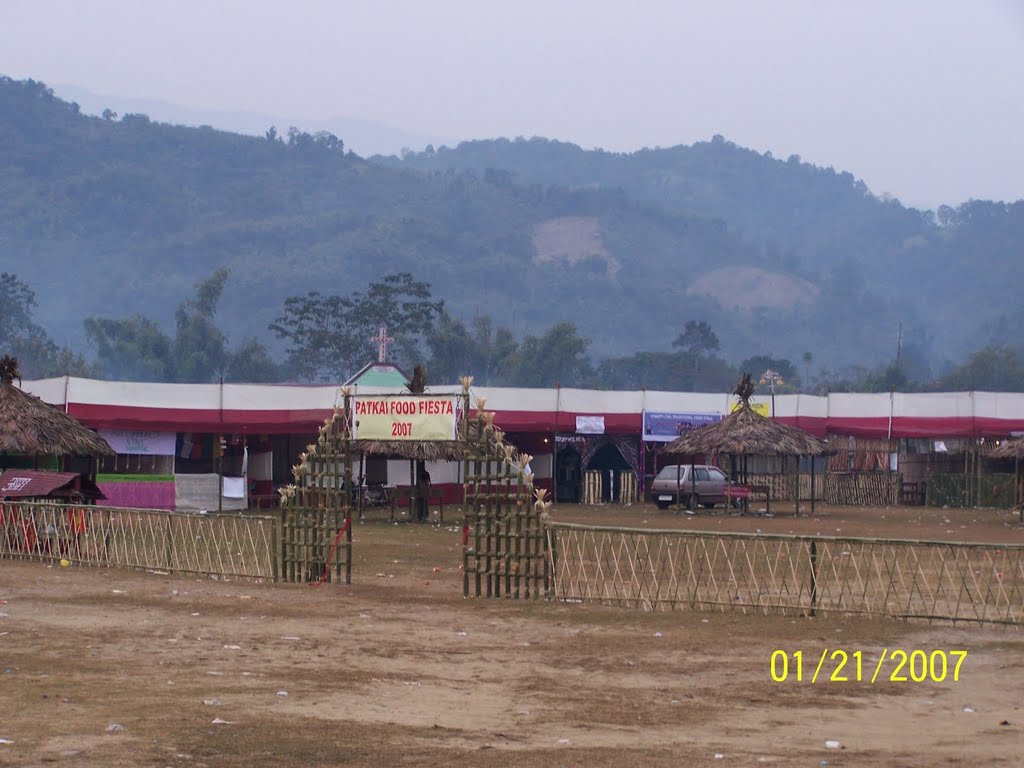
x: 421, y: 450
x: 747, y: 433
x: 1011, y: 449
x: 30, y: 427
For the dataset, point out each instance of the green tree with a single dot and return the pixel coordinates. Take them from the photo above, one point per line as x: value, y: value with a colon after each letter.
x: 995, y: 369
x: 331, y: 336
x: 757, y: 365
x: 558, y: 357
x: 131, y: 349
x: 23, y: 338
x: 696, y: 341
x: 251, y: 363
x: 808, y: 358
x: 200, y: 349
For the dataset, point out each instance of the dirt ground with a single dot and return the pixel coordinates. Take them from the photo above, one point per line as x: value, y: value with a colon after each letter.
x: 115, y: 668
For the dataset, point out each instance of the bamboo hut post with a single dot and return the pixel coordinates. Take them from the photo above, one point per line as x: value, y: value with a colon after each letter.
x: 796, y: 495
x: 679, y: 487
x: 812, y: 486
x: 554, y: 468
x: 693, y: 485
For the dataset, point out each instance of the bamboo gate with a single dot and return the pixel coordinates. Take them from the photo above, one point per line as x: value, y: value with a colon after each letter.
x: 504, y: 551
x: 789, y: 575
x: 316, y: 509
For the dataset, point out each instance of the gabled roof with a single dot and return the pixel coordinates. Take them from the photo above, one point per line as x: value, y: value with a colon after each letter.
x: 34, y: 483
x: 379, y: 375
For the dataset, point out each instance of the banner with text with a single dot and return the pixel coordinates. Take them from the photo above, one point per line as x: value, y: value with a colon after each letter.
x: 405, y: 417
x: 590, y: 425
x: 126, y: 441
x: 662, y: 427
x: 761, y: 409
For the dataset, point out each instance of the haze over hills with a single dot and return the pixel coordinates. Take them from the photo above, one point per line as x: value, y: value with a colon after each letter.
x: 365, y: 137
x: 111, y: 217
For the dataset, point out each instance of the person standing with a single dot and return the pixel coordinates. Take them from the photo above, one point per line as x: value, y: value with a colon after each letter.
x: 422, y: 493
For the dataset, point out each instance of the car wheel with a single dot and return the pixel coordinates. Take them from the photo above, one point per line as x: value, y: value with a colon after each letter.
x: 708, y: 504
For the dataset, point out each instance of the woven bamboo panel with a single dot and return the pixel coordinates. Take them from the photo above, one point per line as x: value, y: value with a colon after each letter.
x: 790, y: 575
x: 177, y: 542
x: 865, y: 489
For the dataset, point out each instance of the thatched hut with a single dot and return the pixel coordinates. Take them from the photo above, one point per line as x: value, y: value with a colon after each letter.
x: 747, y: 433
x: 29, y: 427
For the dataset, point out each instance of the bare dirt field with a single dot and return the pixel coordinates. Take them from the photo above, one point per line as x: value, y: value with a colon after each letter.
x: 115, y: 668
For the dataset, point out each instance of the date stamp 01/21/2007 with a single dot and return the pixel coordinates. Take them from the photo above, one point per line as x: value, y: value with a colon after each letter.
x: 892, y: 665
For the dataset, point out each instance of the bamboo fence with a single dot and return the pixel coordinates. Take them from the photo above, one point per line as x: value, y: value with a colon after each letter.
x: 226, y: 545
x: 789, y: 575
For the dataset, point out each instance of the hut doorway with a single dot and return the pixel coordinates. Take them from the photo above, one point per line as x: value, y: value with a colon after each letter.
x: 610, y: 462
x: 567, y: 475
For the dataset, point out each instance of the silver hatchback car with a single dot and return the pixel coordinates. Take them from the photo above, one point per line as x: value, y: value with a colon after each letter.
x: 707, y: 485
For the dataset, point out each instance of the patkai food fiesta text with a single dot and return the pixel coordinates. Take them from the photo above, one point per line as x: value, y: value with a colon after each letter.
x: 404, y: 407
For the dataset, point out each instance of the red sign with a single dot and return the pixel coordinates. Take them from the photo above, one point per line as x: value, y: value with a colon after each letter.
x: 737, y: 491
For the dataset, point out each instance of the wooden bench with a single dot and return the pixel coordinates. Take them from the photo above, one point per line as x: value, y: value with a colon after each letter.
x: 410, y: 494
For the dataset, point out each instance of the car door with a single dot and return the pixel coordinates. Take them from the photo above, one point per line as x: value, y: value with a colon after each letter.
x: 716, y: 484
x: 703, y: 484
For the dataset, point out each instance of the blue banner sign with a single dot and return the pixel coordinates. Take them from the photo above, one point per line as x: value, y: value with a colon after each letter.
x: 663, y: 427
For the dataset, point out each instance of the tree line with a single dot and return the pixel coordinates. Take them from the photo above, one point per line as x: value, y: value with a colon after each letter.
x: 320, y: 337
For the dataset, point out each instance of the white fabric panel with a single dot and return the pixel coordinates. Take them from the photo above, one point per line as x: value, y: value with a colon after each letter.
x: 852, y: 405
x: 144, y: 394
x: 516, y: 399
x: 48, y: 390
x: 597, y: 401
x: 261, y: 465
x: 798, y: 405
x: 687, y: 402
x: 277, y: 397
x: 933, y: 405
x: 443, y: 472
x: 999, y: 405
x: 195, y: 492
x: 543, y: 466
x: 399, y: 472
x: 440, y: 472
x: 234, y: 487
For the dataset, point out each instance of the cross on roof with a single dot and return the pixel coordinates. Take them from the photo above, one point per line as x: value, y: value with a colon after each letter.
x: 382, y: 340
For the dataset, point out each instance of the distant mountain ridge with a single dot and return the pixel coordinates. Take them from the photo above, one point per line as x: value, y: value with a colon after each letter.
x: 364, y: 137
x: 120, y: 216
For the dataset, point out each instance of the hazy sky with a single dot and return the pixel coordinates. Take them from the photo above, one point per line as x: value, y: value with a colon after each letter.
x: 922, y: 100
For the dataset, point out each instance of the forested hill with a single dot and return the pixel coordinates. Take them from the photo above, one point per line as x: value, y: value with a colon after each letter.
x: 120, y: 216
x: 791, y: 207
x: 951, y: 276
x: 117, y: 216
